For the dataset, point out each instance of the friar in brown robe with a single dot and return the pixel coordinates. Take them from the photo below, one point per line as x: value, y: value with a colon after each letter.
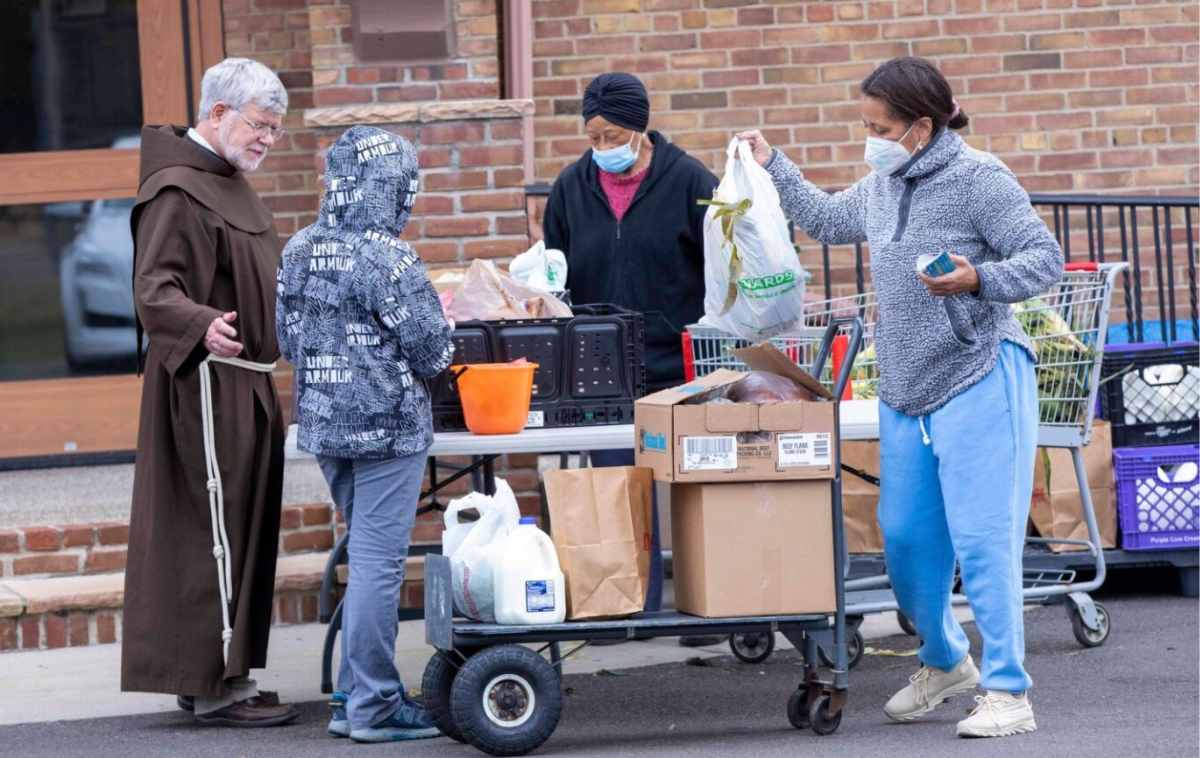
x: 205, y: 246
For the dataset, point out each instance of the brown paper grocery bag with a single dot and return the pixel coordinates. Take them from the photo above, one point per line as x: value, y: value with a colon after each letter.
x: 860, y: 498
x: 1057, y: 507
x: 601, y: 522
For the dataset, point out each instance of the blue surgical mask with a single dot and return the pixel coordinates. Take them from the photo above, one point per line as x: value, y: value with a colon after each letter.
x: 617, y: 159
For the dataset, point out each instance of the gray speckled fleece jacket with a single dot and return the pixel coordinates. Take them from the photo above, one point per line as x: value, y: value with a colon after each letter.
x: 948, y: 197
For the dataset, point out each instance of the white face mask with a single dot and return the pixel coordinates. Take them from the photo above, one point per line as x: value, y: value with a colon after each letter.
x: 884, y: 156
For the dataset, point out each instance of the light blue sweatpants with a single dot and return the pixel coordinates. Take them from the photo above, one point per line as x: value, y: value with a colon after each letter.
x: 378, y: 499
x: 965, y: 493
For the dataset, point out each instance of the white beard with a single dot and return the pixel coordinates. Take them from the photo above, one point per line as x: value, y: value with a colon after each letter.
x: 239, y: 157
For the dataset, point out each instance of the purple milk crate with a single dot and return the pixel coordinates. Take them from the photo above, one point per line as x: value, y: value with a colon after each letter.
x: 1158, y: 512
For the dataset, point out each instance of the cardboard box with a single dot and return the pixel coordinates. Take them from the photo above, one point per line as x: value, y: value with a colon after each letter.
x: 753, y: 548
x: 741, y: 441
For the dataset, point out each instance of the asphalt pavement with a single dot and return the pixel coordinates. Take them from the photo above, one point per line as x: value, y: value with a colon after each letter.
x: 1138, y: 695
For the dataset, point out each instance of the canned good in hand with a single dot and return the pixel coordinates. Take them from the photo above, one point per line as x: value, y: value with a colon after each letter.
x: 935, y: 265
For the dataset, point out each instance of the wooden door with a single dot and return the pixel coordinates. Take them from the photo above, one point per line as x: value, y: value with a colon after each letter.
x: 176, y: 41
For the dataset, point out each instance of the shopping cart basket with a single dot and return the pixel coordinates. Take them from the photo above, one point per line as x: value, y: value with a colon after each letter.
x: 1068, y: 326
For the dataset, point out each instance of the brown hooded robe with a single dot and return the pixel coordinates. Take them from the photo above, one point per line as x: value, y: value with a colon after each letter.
x: 204, y: 245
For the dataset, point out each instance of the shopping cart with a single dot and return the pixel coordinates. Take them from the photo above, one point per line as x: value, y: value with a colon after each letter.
x: 1068, y: 326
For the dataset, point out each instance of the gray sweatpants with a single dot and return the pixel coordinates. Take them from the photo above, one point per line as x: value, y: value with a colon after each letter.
x: 378, y: 499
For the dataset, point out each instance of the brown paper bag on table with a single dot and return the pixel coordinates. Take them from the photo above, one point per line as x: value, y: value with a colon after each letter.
x: 601, y: 521
x: 860, y: 498
x: 1057, y: 506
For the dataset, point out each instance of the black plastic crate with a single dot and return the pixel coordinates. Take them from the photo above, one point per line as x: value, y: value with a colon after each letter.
x: 591, y: 367
x: 1151, y: 393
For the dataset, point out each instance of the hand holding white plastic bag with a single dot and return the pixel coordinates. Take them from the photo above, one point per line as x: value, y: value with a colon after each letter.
x: 471, y: 548
x: 754, y: 284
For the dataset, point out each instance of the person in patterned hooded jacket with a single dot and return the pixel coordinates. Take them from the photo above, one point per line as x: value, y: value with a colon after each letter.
x: 358, y: 317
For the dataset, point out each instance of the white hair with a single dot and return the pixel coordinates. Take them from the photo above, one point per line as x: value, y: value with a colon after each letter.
x: 240, y: 82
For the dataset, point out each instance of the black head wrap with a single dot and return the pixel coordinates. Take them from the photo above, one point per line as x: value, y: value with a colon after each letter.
x: 619, y: 98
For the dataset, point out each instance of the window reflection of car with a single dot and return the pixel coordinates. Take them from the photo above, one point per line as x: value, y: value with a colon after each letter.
x: 96, y: 280
x: 96, y: 276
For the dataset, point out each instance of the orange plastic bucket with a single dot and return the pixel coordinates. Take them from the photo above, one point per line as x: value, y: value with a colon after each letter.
x: 495, y: 396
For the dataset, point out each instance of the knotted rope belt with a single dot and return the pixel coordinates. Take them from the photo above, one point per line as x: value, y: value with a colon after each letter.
x: 216, y: 493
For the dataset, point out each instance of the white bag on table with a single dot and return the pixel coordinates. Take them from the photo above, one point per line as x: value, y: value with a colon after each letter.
x: 471, y: 548
x: 541, y: 268
x: 754, y: 284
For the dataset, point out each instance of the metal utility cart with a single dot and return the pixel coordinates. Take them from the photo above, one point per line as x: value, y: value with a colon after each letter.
x: 485, y: 687
x: 1071, y: 326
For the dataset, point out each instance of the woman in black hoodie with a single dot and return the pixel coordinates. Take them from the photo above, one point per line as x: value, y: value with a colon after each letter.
x: 625, y: 215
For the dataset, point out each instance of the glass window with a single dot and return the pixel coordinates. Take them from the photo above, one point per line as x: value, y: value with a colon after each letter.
x: 66, y: 273
x: 423, y: 31
x: 71, y: 76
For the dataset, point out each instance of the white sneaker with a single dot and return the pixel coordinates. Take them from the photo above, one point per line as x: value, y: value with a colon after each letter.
x: 998, y: 714
x: 929, y: 687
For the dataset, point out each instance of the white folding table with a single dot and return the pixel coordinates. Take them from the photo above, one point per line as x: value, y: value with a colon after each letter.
x: 859, y: 420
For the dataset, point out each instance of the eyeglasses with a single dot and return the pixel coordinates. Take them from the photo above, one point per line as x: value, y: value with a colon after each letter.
x: 262, y: 130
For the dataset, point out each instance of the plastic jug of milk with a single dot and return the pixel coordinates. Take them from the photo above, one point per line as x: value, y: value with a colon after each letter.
x: 528, y: 582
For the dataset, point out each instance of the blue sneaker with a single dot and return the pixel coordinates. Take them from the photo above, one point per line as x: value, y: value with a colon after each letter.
x: 339, y: 723
x: 409, y: 722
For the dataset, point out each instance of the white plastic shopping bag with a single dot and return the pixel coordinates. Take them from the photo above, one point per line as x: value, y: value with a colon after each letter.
x: 471, y: 548
x: 541, y: 268
x: 754, y: 284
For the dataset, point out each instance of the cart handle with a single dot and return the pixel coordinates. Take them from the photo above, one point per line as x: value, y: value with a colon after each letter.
x: 856, y: 333
x: 1095, y: 266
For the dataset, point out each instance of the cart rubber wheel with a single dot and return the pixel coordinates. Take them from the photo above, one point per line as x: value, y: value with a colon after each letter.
x: 798, y: 708
x: 854, y: 651
x: 435, y: 694
x: 906, y: 624
x: 818, y: 717
x: 506, y: 700
x: 1091, y: 637
x: 752, y: 647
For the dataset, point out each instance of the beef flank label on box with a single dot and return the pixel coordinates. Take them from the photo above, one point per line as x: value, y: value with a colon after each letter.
x: 805, y: 449
x: 774, y: 422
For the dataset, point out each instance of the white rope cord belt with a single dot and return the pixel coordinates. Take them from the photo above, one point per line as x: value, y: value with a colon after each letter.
x: 216, y: 493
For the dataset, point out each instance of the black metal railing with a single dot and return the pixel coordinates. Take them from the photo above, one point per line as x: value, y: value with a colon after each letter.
x: 1115, y: 229
x: 1162, y: 211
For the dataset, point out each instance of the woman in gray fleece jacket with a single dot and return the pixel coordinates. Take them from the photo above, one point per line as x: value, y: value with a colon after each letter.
x: 958, y: 417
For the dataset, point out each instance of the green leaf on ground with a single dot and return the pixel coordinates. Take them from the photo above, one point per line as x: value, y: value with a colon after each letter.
x: 889, y: 653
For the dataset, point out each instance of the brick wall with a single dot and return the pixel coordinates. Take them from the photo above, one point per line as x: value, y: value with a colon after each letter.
x: 276, y: 33
x: 30, y: 552
x: 471, y: 202
x: 1075, y: 95
x: 310, y: 44
x: 341, y: 80
x: 40, y: 552
x: 1089, y: 96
